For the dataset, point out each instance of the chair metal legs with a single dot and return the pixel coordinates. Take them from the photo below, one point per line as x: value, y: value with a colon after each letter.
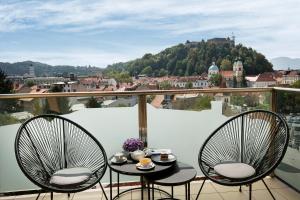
x: 51, y: 195
x: 240, y: 188
x: 250, y: 191
x: 103, y: 190
x: 38, y: 196
x: 200, y: 188
x: 268, y: 189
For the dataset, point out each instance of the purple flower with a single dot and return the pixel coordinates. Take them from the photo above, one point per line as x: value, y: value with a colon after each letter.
x: 133, y: 144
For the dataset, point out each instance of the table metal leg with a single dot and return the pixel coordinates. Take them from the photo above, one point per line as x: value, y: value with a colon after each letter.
x: 152, y: 191
x: 185, y: 185
x: 172, y: 191
x: 110, y: 183
x: 118, y: 179
x: 148, y: 190
x: 142, y: 186
x: 189, y: 191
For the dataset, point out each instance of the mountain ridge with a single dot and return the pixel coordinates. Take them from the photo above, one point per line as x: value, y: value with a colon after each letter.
x: 194, y: 58
x: 285, y: 63
x: 42, y: 69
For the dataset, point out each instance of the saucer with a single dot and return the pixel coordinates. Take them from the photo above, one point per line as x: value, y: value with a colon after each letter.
x: 148, y: 167
x: 114, y: 161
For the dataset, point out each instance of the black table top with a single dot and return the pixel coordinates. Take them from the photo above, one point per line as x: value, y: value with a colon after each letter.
x: 129, y: 168
x: 180, y: 174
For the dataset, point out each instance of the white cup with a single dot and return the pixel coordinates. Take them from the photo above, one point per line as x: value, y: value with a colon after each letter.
x: 119, y: 156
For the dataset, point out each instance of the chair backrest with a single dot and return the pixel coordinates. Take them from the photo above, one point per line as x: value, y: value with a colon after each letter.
x: 258, y: 138
x: 47, y: 143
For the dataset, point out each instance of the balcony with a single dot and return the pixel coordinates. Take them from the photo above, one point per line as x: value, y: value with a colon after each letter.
x: 163, y: 119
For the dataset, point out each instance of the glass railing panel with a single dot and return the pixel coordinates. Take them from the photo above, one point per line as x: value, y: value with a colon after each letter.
x: 110, y: 119
x: 182, y: 122
x: 288, y: 104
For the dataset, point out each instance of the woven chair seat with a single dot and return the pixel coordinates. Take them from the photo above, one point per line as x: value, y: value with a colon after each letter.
x: 234, y: 170
x: 71, y: 177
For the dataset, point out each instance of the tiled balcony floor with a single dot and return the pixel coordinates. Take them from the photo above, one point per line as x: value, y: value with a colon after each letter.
x: 210, y: 191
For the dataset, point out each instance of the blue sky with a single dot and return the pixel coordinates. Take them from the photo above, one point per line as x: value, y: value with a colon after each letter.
x: 101, y: 32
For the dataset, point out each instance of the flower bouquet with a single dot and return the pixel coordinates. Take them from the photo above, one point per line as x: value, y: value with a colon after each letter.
x: 133, y: 144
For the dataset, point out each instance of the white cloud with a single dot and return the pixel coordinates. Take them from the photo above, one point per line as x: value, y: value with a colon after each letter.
x: 263, y: 24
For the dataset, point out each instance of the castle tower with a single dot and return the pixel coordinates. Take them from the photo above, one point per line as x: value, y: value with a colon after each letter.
x: 233, y: 39
x: 31, y: 71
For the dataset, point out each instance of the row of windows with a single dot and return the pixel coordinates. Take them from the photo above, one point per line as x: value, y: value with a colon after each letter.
x: 198, y: 84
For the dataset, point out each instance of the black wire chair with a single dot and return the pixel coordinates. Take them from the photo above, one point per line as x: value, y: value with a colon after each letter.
x: 257, y: 138
x: 47, y: 143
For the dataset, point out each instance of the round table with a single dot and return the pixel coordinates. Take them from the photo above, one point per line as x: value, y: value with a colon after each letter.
x: 182, y: 174
x: 129, y: 168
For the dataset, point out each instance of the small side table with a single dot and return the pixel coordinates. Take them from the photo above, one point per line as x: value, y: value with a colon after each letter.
x: 182, y: 174
x: 129, y: 168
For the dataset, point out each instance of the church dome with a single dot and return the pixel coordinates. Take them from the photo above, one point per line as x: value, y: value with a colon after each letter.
x: 213, y: 67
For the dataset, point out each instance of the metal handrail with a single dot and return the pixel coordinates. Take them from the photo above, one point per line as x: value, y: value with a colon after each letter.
x: 287, y: 89
x: 132, y: 93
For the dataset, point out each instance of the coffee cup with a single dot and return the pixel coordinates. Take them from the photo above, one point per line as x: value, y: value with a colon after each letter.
x: 145, y: 162
x: 119, y: 156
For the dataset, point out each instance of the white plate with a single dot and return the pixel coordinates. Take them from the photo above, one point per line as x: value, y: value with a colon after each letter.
x: 148, y: 167
x: 156, y: 159
x: 114, y: 161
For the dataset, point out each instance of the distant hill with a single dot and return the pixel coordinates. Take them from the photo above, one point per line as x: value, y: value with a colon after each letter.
x: 41, y: 69
x: 194, y: 58
x: 285, y: 63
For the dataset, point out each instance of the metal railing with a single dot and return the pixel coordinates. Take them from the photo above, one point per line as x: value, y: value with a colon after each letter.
x: 142, y: 100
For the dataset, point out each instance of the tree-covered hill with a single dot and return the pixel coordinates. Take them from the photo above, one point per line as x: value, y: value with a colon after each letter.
x: 194, y: 58
x: 41, y: 69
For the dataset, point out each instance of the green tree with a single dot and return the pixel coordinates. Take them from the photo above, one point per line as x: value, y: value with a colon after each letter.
x: 189, y: 85
x: 251, y: 100
x: 162, y: 72
x: 29, y: 83
x: 6, y: 86
x: 244, y: 81
x: 147, y: 70
x: 226, y: 65
x: 296, y: 84
x: 93, y: 103
x: 56, y: 88
x: 237, y: 100
x: 165, y: 85
x: 234, y: 82
x: 202, y: 103
x: 37, y: 107
x: 215, y: 79
x: 6, y: 119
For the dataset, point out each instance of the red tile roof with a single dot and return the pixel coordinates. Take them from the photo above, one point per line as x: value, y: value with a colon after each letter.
x: 265, y: 77
x: 227, y: 74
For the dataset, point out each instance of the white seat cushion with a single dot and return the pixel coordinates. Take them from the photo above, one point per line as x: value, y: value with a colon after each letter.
x: 234, y: 170
x: 70, y: 177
